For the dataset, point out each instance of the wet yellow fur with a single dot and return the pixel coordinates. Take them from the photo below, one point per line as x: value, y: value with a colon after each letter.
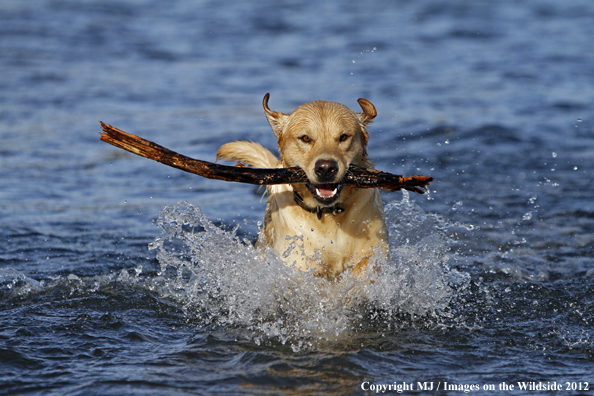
x: 336, y: 242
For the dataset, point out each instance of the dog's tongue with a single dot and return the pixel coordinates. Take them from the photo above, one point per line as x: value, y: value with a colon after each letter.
x: 326, y: 190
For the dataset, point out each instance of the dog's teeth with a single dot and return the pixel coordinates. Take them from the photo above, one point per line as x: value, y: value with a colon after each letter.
x: 331, y: 195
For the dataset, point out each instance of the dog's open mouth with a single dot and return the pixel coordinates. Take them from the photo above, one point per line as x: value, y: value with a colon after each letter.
x: 325, y: 194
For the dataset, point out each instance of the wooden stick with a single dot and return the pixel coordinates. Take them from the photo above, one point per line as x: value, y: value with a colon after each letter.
x: 360, y: 177
x: 373, y: 178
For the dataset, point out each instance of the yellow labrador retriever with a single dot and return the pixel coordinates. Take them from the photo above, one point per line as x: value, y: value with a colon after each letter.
x: 322, y: 225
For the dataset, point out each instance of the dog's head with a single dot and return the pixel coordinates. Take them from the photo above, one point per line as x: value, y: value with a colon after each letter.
x: 323, y: 139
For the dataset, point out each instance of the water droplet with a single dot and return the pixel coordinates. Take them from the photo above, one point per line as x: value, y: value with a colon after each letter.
x: 457, y: 205
x: 554, y: 154
x: 579, y: 120
x: 527, y: 216
x: 575, y: 168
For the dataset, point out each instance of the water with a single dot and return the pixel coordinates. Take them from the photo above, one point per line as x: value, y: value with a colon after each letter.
x: 119, y: 275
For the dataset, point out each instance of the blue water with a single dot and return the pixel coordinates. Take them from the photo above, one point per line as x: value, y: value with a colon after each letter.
x: 119, y: 275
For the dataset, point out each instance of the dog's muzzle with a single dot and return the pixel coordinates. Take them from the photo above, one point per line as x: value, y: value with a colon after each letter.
x: 326, y: 192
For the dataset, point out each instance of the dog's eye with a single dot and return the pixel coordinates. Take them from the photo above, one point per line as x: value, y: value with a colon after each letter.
x: 305, y: 139
x: 344, y: 137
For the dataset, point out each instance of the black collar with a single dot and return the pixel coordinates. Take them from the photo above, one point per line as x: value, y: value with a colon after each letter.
x: 318, y: 209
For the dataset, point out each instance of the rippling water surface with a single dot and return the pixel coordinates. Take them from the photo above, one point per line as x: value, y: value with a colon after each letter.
x: 119, y: 275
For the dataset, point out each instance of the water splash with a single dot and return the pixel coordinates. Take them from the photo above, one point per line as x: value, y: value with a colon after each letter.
x: 17, y: 282
x: 222, y: 280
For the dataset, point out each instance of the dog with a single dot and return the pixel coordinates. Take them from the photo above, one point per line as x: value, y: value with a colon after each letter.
x: 322, y: 226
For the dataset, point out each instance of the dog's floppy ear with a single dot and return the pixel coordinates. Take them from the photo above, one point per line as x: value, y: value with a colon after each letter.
x: 369, y: 111
x: 276, y: 119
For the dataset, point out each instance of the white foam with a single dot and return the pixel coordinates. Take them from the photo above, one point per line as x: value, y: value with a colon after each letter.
x: 221, y: 280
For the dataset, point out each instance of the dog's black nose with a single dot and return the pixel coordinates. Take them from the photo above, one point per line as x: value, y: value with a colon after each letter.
x: 326, y: 169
